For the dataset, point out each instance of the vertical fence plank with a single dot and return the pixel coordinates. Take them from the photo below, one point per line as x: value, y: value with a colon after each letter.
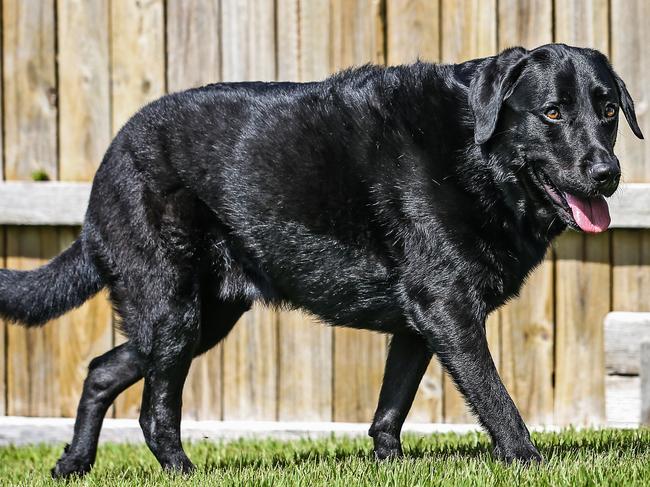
x: 412, y: 33
x: 582, y: 267
x: 137, y: 77
x: 527, y: 323
x: 631, y: 59
x: 412, y: 30
x: 359, y: 356
x: 631, y: 270
x: 583, y: 23
x: 194, y: 59
x: 250, y: 352
x: 582, y: 301
x: 137, y: 56
x: 630, y: 38
x: 84, y: 135
x: 30, y: 141
x: 468, y: 31
x: 525, y: 23
x: 289, y: 38
x: 305, y: 346
x: 32, y: 378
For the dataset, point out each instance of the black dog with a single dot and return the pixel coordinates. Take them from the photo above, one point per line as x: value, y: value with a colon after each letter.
x: 411, y: 200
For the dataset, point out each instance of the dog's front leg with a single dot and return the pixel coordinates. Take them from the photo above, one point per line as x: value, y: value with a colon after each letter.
x: 456, y: 332
x: 408, y: 358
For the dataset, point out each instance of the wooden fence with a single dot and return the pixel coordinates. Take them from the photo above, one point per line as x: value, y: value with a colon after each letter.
x: 73, y: 71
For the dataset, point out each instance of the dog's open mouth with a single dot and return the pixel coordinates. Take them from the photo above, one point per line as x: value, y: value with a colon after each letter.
x: 589, y: 214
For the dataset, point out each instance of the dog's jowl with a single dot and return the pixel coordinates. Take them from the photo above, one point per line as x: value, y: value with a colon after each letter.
x: 411, y: 200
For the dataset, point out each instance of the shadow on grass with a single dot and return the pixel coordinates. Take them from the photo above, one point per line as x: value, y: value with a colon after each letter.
x: 415, y: 452
x: 560, y: 447
x: 554, y: 447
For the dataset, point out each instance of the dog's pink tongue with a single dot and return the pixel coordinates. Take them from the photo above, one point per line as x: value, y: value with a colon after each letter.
x: 591, y: 214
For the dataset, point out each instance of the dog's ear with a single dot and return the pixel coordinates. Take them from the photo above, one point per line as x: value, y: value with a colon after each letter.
x: 627, y: 105
x: 490, y: 86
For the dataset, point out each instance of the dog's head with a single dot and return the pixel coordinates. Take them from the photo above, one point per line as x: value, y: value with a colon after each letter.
x: 556, y: 108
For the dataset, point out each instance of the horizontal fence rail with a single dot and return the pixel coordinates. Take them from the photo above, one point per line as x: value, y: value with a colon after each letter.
x: 63, y: 203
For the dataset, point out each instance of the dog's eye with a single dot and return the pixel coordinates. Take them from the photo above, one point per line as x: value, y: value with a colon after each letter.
x: 610, y: 111
x: 552, y: 113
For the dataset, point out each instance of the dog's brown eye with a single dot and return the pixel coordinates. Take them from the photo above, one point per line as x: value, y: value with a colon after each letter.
x: 552, y: 113
x: 610, y: 111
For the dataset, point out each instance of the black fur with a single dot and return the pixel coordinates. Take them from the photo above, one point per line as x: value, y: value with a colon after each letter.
x: 409, y: 200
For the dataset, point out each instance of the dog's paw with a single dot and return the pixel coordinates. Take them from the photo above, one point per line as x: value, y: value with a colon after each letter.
x: 524, y: 452
x: 68, y: 466
x: 387, y: 447
x: 181, y: 465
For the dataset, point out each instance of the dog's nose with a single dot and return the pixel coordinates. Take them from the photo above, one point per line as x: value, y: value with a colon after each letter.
x: 606, y: 175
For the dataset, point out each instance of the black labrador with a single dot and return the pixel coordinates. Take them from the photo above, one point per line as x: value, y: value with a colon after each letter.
x: 410, y: 200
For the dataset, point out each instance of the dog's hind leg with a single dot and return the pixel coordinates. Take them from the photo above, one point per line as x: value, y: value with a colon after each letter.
x: 108, y: 376
x: 166, y: 371
x: 408, y: 358
x: 117, y: 369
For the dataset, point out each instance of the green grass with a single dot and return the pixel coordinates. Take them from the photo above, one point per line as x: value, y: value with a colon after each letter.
x: 574, y: 458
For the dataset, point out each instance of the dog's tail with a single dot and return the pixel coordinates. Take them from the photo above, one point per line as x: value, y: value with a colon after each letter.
x: 34, y: 297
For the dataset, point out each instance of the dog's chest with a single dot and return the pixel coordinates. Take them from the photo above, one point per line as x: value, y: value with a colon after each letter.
x: 504, y: 279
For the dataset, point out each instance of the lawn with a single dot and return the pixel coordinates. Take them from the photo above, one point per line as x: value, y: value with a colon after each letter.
x: 606, y: 457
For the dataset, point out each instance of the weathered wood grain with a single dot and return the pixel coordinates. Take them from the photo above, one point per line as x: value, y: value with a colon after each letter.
x: 248, y: 40
x: 412, y: 31
x: 305, y: 368
x: 582, y: 293
x: 359, y: 358
x: 137, y: 57
x: 631, y: 59
x: 250, y: 352
x: 194, y: 59
x: 250, y: 355
x: 525, y: 23
x: 624, y: 333
x: 193, y: 43
x: 305, y: 345
x: 44, y: 203
x: 30, y: 114
x: 623, y: 400
x: 582, y: 270
x: 29, y: 77
x: 137, y: 77
x: 84, y: 86
x: 631, y: 270
x: 629, y: 207
x: 33, y: 387
x: 469, y: 29
x: 582, y: 23
x: 630, y: 38
x: 357, y: 33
